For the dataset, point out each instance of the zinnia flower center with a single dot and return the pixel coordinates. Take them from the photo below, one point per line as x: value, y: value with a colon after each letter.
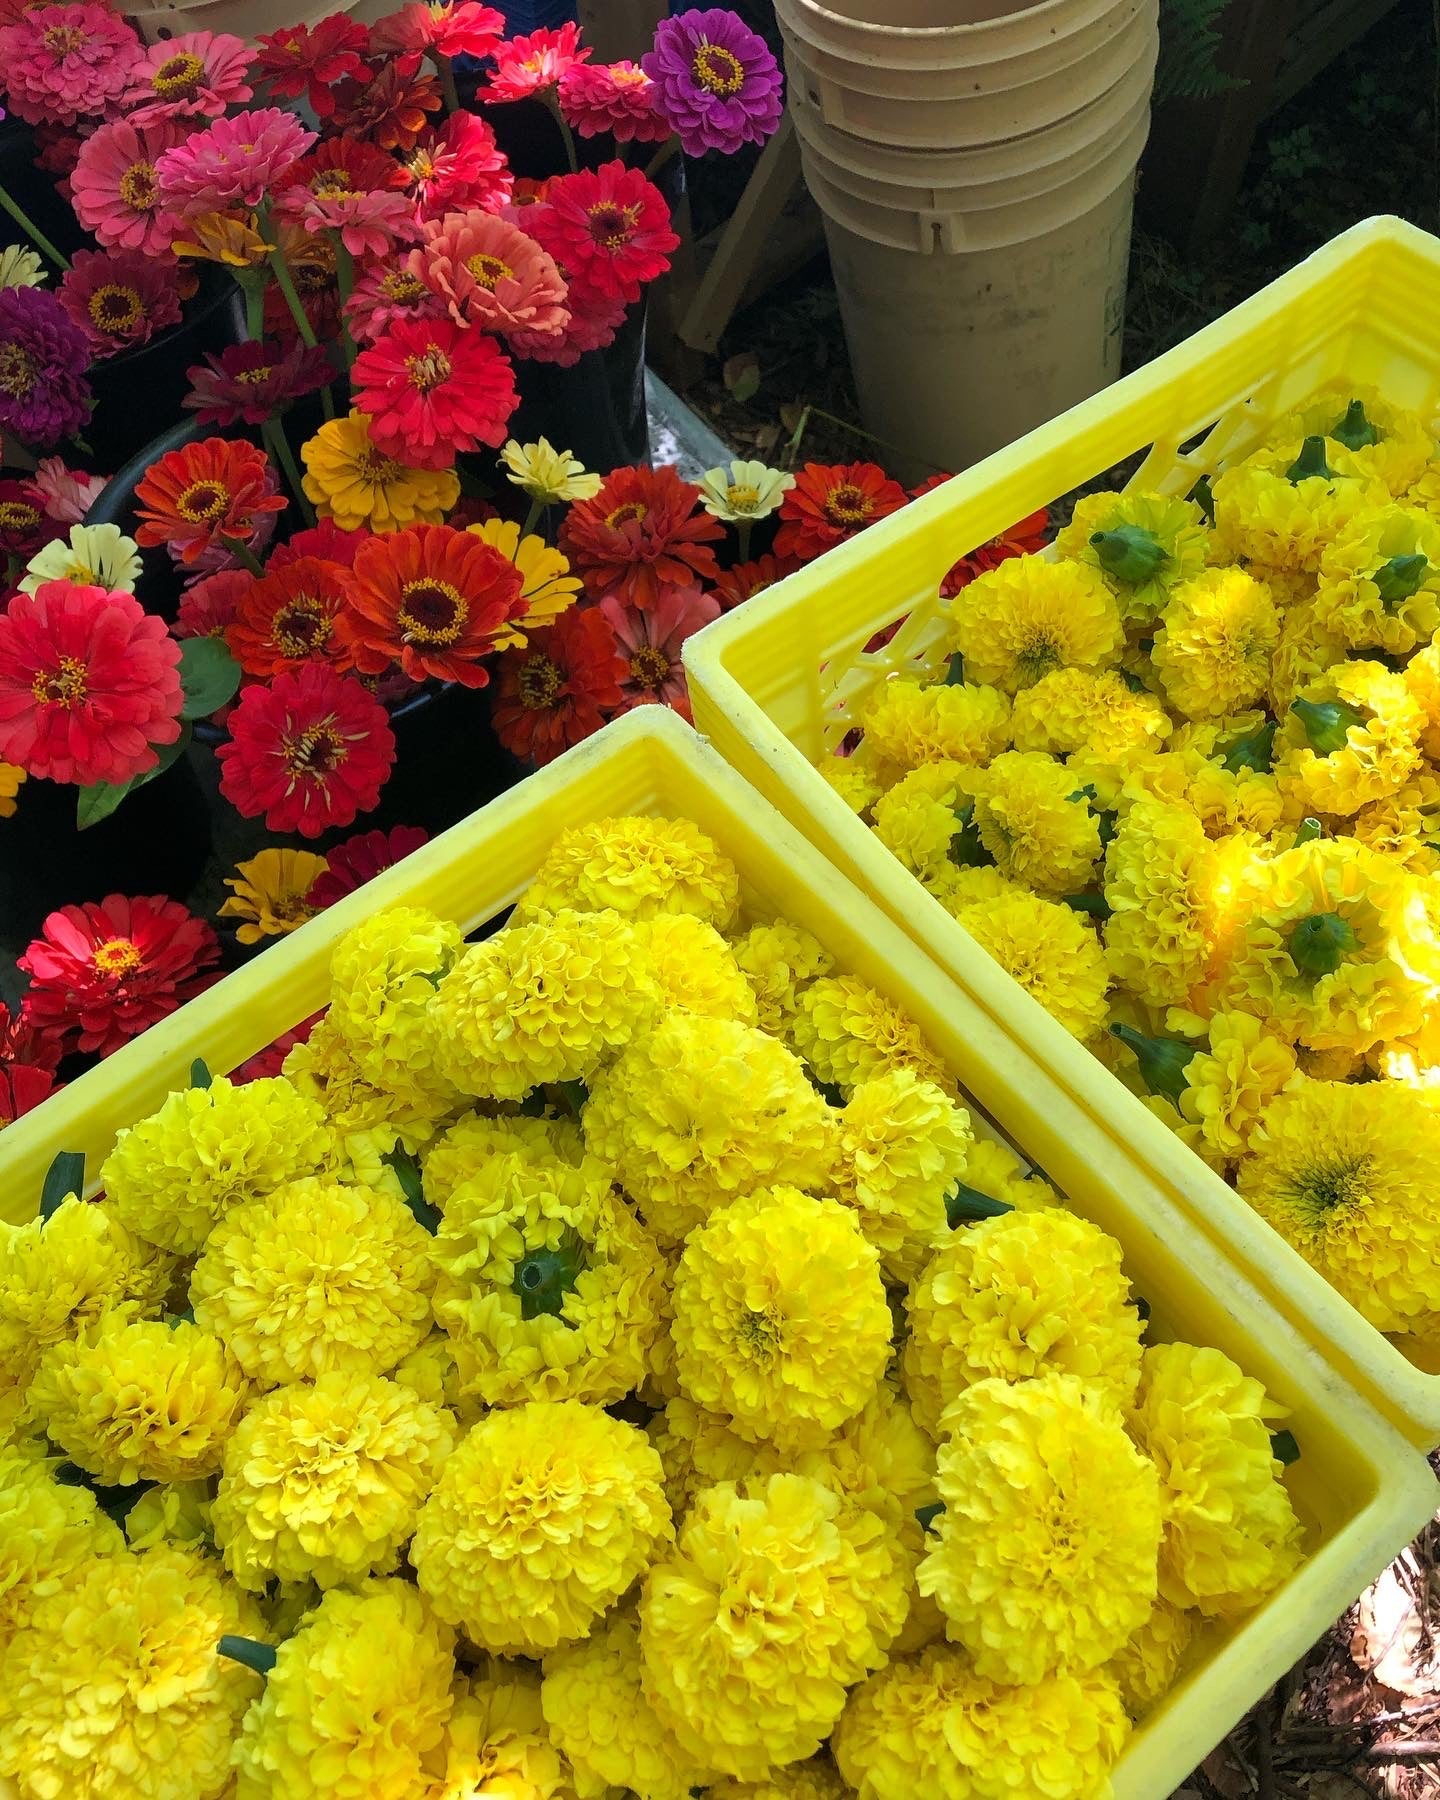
x: 254, y: 377
x: 848, y: 505
x: 489, y: 271
x: 300, y: 625
x: 612, y: 225
x: 539, y: 682
x: 17, y: 515
x: 431, y: 612
x: 333, y: 184
x: 633, y: 510
x: 650, y: 667
x: 17, y: 371
x: 117, y: 957
x: 178, y: 75
x: 137, y: 186
x: 62, y: 686
x: 398, y: 285
x: 422, y: 165
x: 743, y: 499
x: 115, y: 307
x: 319, y: 750
x: 203, y: 500
x: 60, y: 40
x: 429, y: 370
x: 718, y: 69
x: 629, y: 77
x: 370, y: 465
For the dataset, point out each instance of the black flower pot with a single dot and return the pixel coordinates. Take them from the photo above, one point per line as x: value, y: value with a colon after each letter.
x: 35, y: 193
x: 595, y: 409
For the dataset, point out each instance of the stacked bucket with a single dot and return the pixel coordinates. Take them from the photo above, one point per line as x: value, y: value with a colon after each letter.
x: 975, y: 164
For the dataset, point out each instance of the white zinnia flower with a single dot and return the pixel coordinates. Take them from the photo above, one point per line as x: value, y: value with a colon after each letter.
x: 747, y: 490
x: 92, y: 556
x: 20, y: 266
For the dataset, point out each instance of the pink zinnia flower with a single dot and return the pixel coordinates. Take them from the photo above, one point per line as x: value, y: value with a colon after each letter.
x: 119, y: 298
x: 616, y: 97
x: 89, y: 684
x: 63, y: 63
x: 610, y: 227
x: 115, y: 190
x: 491, y: 274
x: 458, y: 168
x: 382, y: 296
x: 208, y: 605
x: 448, y: 27
x: 310, y: 59
x: 351, y: 187
x: 67, y: 494
x: 434, y: 390
x: 197, y: 75
x: 360, y: 859
x: 231, y: 163
x: 649, y: 644
x: 525, y: 65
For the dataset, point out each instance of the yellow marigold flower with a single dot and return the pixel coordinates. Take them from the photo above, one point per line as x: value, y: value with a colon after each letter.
x: 909, y: 725
x: 1340, y: 1170
x: 547, y: 474
x: 113, y: 1690
x: 58, y: 1275
x: 1100, y: 715
x: 956, y: 888
x: 1306, y: 649
x: 1216, y: 637
x: 1050, y: 950
x: 597, y: 1713
x: 848, y: 1032
x: 777, y: 960
x: 356, y: 1705
x: 19, y: 1359
x: 695, y: 968
x: 545, y: 1002
x: 326, y: 1480
x: 1231, y: 1535
x: 880, y: 1458
x: 1158, y: 874
x: 781, y: 1321
x: 356, y: 1112
x: 813, y: 1780
x: 176, y: 1512
x: 547, y: 1285
x: 1422, y: 678
x: 170, y: 1177
x: 48, y: 1533
x: 1017, y: 1296
x: 269, y: 893
x: 383, y: 977
x: 1380, y: 581
x: 699, y: 1110
x: 1146, y: 1668
x: 313, y: 1278
x: 11, y: 781
x: 1382, y: 442
x: 1036, y: 1567
x: 923, y: 818
x: 1405, y: 825
x: 901, y: 1147
x: 1148, y: 544
x: 1036, y: 823
x: 361, y: 490
x: 1229, y: 1085
x: 1215, y: 772
x: 698, y: 1448
x: 431, y: 1374
x: 936, y: 1727
x: 1018, y: 622
x: 547, y: 586
x: 497, y: 1746
x: 742, y: 1688
x: 542, y: 1518
x: 855, y: 780
x: 463, y: 1150
x: 1351, y: 736
x: 994, y: 1170
x: 636, y: 866
x: 1263, y: 516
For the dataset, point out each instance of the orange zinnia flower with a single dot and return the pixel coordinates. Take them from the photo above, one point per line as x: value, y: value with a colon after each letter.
x: 289, y: 617
x: 206, y: 496
x: 831, y: 502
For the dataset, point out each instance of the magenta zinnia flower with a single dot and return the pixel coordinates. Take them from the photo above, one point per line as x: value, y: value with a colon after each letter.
x: 196, y: 75
x: 716, y: 81
x: 615, y: 97
x: 63, y: 63
x: 119, y: 298
x: 232, y: 162
x: 360, y: 859
x: 114, y: 187
x: 251, y: 382
x: 44, y: 354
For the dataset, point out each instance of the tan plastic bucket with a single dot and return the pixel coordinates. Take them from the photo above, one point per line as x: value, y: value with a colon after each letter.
x: 942, y: 18
x: 887, y: 106
x: 242, y: 18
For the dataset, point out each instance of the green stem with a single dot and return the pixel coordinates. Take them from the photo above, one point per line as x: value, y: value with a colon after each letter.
x: 743, y: 528
x: 447, y: 82
x: 345, y: 281
x: 252, y: 285
x: 532, y: 518
x: 665, y: 154
x: 276, y: 442
x: 257, y: 1656
x: 243, y: 554
x: 572, y: 155
x: 36, y: 236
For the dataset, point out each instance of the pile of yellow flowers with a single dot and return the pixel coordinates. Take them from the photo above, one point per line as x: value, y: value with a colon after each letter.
x: 606, y: 1359
x: 1182, y: 781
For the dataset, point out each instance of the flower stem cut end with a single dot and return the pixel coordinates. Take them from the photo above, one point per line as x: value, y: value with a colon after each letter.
x: 1163, y: 1061
x: 1319, y: 944
x: 259, y: 1657
x: 1310, y: 463
x: 1355, y: 431
x: 1130, y: 553
x: 1400, y: 579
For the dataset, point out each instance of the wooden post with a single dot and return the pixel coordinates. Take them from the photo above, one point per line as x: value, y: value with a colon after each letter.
x: 620, y: 29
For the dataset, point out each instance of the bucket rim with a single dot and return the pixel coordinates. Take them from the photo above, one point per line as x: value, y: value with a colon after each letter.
x: 937, y: 34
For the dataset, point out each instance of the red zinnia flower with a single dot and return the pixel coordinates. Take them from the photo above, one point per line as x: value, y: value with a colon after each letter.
x: 207, y: 607
x: 432, y: 390
x: 310, y: 59
x: 459, y: 168
x: 110, y: 971
x: 392, y: 108
x: 448, y: 27
x: 641, y: 534
x: 610, y: 227
x: 289, y: 616
x: 253, y: 381
x: 23, y: 1041
x: 1022, y: 539
x: 525, y: 65
x: 196, y: 497
x: 361, y: 859
x: 22, y: 1088
x: 24, y: 526
x: 310, y: 750
x: 270, y: 1061
x: 351, y: 187
x: 89, y: 684
x: 615, y: 97
x: 734, y: 586
x: 650, y: 641
x: 325, y: 540
x: 434, y: 600
x: 594, y: 319
x: 560, y: 688
x: 831, y: 502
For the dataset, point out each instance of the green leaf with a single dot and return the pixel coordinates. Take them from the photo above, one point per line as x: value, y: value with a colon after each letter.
x: 209, y: 675
x: 200, y: 1076
x: 927, y: 1515
x: 65, y: 1176
x: 99, y: 800
x: 741, y: 375
x: 408, y: 1172
x: 1284, y: 1448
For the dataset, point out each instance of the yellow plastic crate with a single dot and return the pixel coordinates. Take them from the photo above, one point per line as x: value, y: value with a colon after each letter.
x: 1362, y: 1492
x: 777, y: 684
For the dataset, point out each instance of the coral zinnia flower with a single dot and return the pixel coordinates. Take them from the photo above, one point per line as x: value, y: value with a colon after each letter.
x: 457, y: 168
x: 64, y: 63
x: 44, y: 354
x: 361, y: 859
x: 433, y: 390
x: 391, y: 108
x: 524, y: 65
x: 231, y: 162
x: 717, y: 81
x: 650, y: 643
x: 196, y: 75
x: 195, y: 498
x: 349, y: 186
x: 491, y: 274
x: 383, y: 295
x: 288, y: 617
x: 119, y: 298
x: 560, y: 688
x: 66, y: 494
x: 310, y: 59
x: 432, y: 600
x: 610, y: 227
x: 831, y: 502
x: 88, y: 684
x: 270, y: 893
x: 253, y: 381
x: 743, y: 582
x: 615, y: 97
x: 448, y: 27
x: 641, y: 533
x: 353, y: 484
x: 310, y: 750
x: 110, y: 971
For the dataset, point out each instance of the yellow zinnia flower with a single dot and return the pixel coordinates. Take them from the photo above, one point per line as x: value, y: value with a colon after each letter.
x: 1143, y: 544
x: 1212, y: 651
x: 546, y: 474
x: 352, y: 483
x: 92, y: 556
x: 219, y: 237
x: 547, y: 586
x: 11, y: 782
x: 744, y: 491
x: 269, y: 893
x: 1030, y: 616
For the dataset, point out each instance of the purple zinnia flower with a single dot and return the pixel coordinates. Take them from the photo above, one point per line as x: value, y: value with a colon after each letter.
x: 254, y: 381
x: 44, y: 395
x: 715, y: 81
